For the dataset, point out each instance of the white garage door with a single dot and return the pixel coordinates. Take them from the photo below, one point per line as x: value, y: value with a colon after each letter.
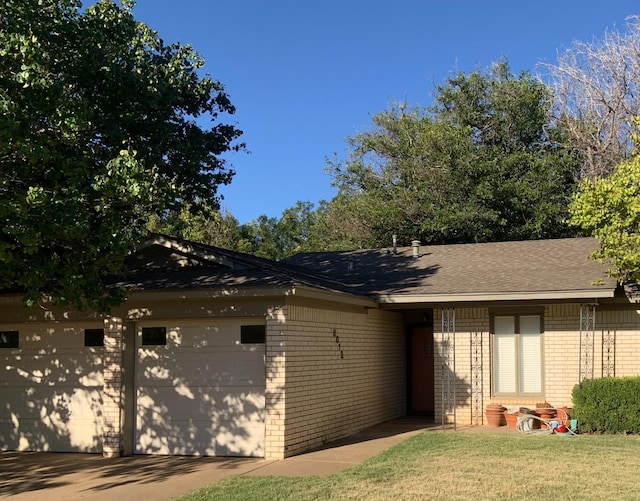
x: 200, y: 388
x: 51, y: 388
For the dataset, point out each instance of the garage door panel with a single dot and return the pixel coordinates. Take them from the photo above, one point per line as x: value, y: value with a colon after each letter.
x: 56, y: 337
x: 205, y: 367
x: 39, y: 419
x: 202, y: 394
x: 81, y: 403
x: 200, y: 438
x: 200, y: 335
x: 213, y: 403
x: 37, y: 435
x: 60, y: 367
x: 51, y: 392
x: 163, y: 352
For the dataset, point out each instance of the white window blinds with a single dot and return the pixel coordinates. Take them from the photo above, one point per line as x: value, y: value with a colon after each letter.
x: 505, y: 355
x: 517, y: 354
x: 530, y: 355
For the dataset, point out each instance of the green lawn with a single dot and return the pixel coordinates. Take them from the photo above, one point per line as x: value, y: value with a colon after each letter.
x: 450, y: 465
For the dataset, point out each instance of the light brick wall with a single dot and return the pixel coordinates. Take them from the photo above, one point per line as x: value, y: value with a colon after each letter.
x: 345, y: 371
x: 467, y: 322
x: 561, y: 355
x: 112, y: 406
x: 275, y: 383
x: 624, y: 327
x: 562, y: 348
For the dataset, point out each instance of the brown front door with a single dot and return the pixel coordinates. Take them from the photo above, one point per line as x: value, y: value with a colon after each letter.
x: 421, y: 395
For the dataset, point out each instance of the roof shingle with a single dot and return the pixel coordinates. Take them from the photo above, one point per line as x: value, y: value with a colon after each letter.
x: 533, y: 266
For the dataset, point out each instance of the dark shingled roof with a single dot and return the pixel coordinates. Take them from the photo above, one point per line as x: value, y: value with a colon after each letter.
x: 525, y: 267
x: 534, y: 269
x: 155, y: 266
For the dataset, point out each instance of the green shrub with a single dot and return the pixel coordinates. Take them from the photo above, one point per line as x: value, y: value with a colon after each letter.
x: 607, y: 405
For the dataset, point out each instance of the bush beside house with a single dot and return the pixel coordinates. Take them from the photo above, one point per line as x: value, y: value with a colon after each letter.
x: 607, y: 405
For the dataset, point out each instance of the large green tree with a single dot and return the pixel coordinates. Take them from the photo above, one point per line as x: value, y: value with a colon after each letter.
x: 208, y: 225
x: 275, y: 238
x: 609, y: 209
x: 482, y: 164
x: 101, y: 125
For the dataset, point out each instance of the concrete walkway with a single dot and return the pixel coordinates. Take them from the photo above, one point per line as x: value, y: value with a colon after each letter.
x: 41, y: 476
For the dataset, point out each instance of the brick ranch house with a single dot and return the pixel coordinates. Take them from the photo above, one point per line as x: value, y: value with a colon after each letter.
x: 221, y: 353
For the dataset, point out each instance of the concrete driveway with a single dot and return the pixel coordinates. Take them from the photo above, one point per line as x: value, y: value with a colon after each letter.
x: 36, y: 476
x: 55, y: 476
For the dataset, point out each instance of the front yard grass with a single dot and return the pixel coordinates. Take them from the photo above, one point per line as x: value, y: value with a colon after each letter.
x: 463, y: 465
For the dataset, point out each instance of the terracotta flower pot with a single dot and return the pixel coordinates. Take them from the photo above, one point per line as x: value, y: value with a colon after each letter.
x: 495, y: 415
x: 564, y: 415
x: 512, y: 419
x: 547, y: 415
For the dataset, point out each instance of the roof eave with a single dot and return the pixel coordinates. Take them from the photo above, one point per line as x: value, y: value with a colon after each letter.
x: 209, y: 293
x: 326, y: 295
x: 473, y: 297
x: 248, y: 292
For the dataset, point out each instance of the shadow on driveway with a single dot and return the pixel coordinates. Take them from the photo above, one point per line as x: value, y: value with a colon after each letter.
x: 43, y: 476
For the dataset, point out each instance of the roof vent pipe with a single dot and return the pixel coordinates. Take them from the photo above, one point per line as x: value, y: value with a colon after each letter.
x: 395, y: 243
x: 415, y: 244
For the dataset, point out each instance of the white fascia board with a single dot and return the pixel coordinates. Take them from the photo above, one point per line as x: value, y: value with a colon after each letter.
x: 236, y: 292
x: 212, y: 293
x: 494, y: 296
x: 340, y: 297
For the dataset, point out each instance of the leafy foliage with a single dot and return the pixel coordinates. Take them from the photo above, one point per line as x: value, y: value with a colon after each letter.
x: 608, y: 405
x: 208, y: 225
x: 97, y: 131
x: 482, y: 165
x: 609, y: 209
x: 298, y: 229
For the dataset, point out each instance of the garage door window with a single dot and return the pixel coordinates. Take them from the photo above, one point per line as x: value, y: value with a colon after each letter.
x: 253, y: 334
x: 154, y: 336
x: 9, y: 339
x: 94, y: 337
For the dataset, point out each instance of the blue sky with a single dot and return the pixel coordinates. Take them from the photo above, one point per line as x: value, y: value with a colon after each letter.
x: 306, y: 74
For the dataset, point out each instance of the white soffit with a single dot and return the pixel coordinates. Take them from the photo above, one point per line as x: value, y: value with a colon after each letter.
x: 325, y: 295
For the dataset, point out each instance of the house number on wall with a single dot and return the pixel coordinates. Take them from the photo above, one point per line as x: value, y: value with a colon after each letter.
x: 337, y: 340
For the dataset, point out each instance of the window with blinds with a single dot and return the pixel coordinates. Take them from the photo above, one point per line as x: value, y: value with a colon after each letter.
x: 517, y: 354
